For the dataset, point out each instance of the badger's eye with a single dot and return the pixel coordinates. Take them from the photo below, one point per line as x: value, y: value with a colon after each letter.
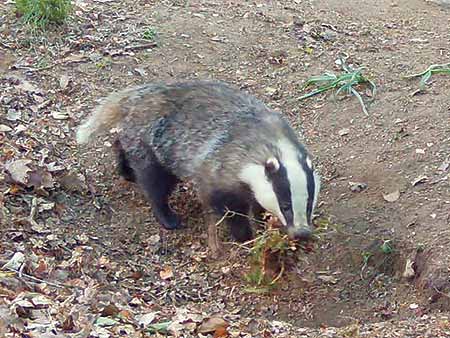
x: 285, y: 207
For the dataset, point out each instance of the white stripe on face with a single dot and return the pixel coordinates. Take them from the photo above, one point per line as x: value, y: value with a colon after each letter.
x: 298, y: 181
x: 317, y: 190
x: 255, y: 176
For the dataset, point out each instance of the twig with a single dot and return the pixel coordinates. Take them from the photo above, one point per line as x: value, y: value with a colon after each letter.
x: 139, y: 47
x: 38, y: 280
x: 227, y: 214
x: 31, y: 69
x: 6, y: 45
x: 279, y: 274
x: 34, y: 205
x: 57, y: 63
x: 33, y: 211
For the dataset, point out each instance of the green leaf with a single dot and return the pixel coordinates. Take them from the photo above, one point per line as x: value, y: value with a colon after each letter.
x: 105, y: 321
x: 386, y: 247
x: 158, y: 327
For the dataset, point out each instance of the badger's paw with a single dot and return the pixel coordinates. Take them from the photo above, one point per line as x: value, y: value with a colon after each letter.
x: 170, y: 222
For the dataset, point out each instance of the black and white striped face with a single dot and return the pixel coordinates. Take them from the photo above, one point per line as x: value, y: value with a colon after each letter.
x: 286, y: 186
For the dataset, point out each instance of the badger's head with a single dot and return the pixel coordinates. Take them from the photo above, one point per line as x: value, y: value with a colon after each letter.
x: 286, y: 185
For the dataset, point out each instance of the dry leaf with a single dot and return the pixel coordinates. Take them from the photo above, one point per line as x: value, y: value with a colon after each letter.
x: 343, y: 132
x: 409, y: 270
x: 357, y: 186
x: 15, y: 262
x: 41, y: 268
x: 28, y: 87
x: 271, y: 91
x: 136, y: 275
x: 221, y: 332
x: 418, y: 180
x: 73, y: 182
x: 20, y: 128
x: 328, y: 279
x: 13, y: 114
x: 110, y: 310
x: 64, y: 81
x: 74, y: 58
x: 68, y: 324
x: 175, y: 328
x: 18, y: 170
x: 212, y: 324
x: 166, y: 273
x: 127, y: 315
x: 146, y: 319
x: 444, y: 166
x: 40, y: 179
x: 392, y: 197
x: 59, y: 115
x: 4, y: 128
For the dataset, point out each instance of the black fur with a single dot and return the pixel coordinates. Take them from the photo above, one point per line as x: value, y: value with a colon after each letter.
x: 239, y: 202
x: 123, y: 165
x: 158, y: 184
x: 311, y: 186
x: 282, y: 189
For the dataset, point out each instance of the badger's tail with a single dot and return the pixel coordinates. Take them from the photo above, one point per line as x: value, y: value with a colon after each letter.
x: 105, y: 117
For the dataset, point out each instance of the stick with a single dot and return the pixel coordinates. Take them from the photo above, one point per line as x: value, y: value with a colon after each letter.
x: 38, y: 280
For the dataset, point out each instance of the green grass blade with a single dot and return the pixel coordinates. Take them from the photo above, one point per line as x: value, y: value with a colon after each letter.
x: 354, y: 92
x: 424, y: 80
x: 373, y: 89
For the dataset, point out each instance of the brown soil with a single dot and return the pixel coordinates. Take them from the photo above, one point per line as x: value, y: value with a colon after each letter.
x: 269, y: 49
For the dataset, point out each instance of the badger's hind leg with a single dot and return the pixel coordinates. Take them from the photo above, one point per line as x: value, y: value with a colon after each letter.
x: 158, y: 183
x: 123, y: 165
x: 238, y: 203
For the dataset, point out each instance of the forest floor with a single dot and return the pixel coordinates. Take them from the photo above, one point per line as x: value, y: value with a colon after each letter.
x: 81, y: 255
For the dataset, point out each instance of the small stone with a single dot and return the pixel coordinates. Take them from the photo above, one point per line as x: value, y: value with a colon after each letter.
x: 357, y: 186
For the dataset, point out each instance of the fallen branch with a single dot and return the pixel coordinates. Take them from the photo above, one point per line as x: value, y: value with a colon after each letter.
x: 140, y: 47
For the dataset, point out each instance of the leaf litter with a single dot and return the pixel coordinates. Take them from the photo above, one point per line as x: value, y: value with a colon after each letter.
x: 71, y: 282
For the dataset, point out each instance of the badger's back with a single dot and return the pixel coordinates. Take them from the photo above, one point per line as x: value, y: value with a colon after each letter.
x: 200, y: 127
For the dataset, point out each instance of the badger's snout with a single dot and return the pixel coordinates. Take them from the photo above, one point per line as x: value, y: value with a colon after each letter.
x: 300, y: 233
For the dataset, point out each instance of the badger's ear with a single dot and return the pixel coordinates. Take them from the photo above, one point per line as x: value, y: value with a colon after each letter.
x: 272, y: 165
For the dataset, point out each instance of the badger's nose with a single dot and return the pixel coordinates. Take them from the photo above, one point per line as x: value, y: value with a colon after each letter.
x: 302, y: 234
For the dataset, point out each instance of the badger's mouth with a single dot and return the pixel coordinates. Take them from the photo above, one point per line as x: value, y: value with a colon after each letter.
x: 299, y: 232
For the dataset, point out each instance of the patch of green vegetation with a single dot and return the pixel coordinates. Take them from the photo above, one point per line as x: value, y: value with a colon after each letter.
x: 267, y: 261
x: 345, y: 82
x: 386, y: 247
x: 427, y: 73
x: 103, y: 63
x: 159, y: 327
x: 41, y: 13
x: 43, y: 62
x: 366, y: 256
x: 149, y: 34
x: 380, y: 255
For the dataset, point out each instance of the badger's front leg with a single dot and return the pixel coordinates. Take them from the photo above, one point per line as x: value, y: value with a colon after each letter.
x: 237, y: 204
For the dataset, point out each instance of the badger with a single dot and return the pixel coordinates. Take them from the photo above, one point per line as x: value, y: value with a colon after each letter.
x: 240, y: 155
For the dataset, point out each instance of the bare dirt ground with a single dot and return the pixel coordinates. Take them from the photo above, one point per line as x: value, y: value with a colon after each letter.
x: 95, y: 264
